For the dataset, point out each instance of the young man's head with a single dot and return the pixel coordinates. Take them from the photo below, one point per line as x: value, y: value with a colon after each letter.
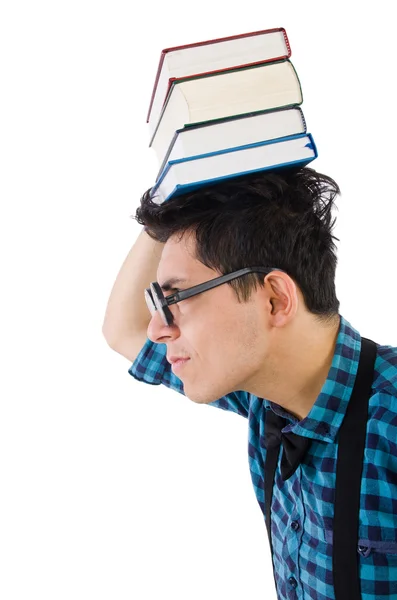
x: 243, y: 334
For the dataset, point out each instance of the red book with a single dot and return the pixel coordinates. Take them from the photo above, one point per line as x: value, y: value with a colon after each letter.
x: 214, y: 56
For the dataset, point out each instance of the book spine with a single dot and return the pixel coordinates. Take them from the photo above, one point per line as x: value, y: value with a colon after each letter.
x: 286, y: 40
x: 303, y: 119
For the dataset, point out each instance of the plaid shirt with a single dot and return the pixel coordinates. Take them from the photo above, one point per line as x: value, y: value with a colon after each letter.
x: 302, y: 506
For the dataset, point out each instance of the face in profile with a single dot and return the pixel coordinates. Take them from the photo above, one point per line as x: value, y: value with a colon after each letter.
x: 224, y: 340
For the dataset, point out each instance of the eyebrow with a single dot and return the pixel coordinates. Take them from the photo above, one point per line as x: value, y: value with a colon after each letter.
x: 168, y: 285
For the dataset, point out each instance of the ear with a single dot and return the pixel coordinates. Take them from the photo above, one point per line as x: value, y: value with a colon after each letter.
x: 282, y: 298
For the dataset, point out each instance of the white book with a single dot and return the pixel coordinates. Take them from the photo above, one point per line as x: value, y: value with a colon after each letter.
x: 214, y: 55
x: 234, y: 131
x: 184, y: 175
x: 226, y: 94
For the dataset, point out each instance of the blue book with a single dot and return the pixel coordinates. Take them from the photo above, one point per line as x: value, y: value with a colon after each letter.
x: 241, y: 130
x: 188, y: 174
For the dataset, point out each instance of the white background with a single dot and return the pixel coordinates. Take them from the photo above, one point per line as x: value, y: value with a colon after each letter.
x: 111, y: 488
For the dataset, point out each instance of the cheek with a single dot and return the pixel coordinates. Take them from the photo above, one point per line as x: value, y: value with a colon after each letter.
x: 242, y: 334
x: 231, y: 332
x: 208, y: 329
x: 219, y: 331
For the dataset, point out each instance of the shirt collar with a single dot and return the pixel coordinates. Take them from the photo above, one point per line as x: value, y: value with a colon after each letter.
x: 327, y: 413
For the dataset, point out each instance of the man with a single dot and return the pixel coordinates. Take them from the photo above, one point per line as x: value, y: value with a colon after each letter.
x: 267, y: 342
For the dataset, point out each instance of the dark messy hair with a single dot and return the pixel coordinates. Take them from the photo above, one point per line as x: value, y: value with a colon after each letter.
x: 276, y: 219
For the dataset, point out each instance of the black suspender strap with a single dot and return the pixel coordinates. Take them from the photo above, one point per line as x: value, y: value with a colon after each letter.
x: 351, y: 445
x: 349, y: 469
x: 272, y: 454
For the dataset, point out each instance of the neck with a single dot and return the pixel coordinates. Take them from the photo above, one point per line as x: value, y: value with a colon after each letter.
x: 298, y: 366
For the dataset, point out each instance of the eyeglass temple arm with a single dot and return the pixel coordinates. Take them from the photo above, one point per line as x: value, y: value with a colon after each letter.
x: 202, y: 287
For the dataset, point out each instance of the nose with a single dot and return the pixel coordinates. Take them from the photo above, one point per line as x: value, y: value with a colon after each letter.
x: 158, y: 332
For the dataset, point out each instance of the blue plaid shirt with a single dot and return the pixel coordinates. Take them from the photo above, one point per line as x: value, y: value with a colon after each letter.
x: 302, y: 506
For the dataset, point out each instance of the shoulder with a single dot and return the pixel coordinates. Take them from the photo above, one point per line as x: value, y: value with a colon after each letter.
x: 385, y: 374
x: 383, y: 402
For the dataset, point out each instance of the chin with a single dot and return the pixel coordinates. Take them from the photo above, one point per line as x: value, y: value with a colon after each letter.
x: 199, y: 399
x: 204, y: 396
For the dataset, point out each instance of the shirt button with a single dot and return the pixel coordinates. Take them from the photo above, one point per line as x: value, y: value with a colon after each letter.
x: 295, y: 525
x: 292, y: 581
x: 364, y: 551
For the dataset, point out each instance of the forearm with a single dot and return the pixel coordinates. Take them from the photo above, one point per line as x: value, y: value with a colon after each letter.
x: 126, y: 311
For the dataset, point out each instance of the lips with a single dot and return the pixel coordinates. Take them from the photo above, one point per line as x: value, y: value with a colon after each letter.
x: 178, y: 363
x: 175, y: 359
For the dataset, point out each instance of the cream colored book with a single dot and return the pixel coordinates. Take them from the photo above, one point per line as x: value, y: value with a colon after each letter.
x: 229, y: 93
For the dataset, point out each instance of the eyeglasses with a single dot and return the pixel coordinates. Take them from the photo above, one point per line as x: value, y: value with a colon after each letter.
x: 156, y: 300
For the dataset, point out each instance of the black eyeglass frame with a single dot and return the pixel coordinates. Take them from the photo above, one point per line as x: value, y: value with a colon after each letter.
x: 155, y: 293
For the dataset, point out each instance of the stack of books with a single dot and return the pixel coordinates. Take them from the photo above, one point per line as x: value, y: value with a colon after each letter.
x: 225, y: 108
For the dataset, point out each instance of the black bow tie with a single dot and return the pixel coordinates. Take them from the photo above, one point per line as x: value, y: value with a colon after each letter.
x: 294, y: 446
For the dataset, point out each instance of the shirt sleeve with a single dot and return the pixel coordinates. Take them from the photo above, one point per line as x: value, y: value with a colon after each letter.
x: 151, y: 366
